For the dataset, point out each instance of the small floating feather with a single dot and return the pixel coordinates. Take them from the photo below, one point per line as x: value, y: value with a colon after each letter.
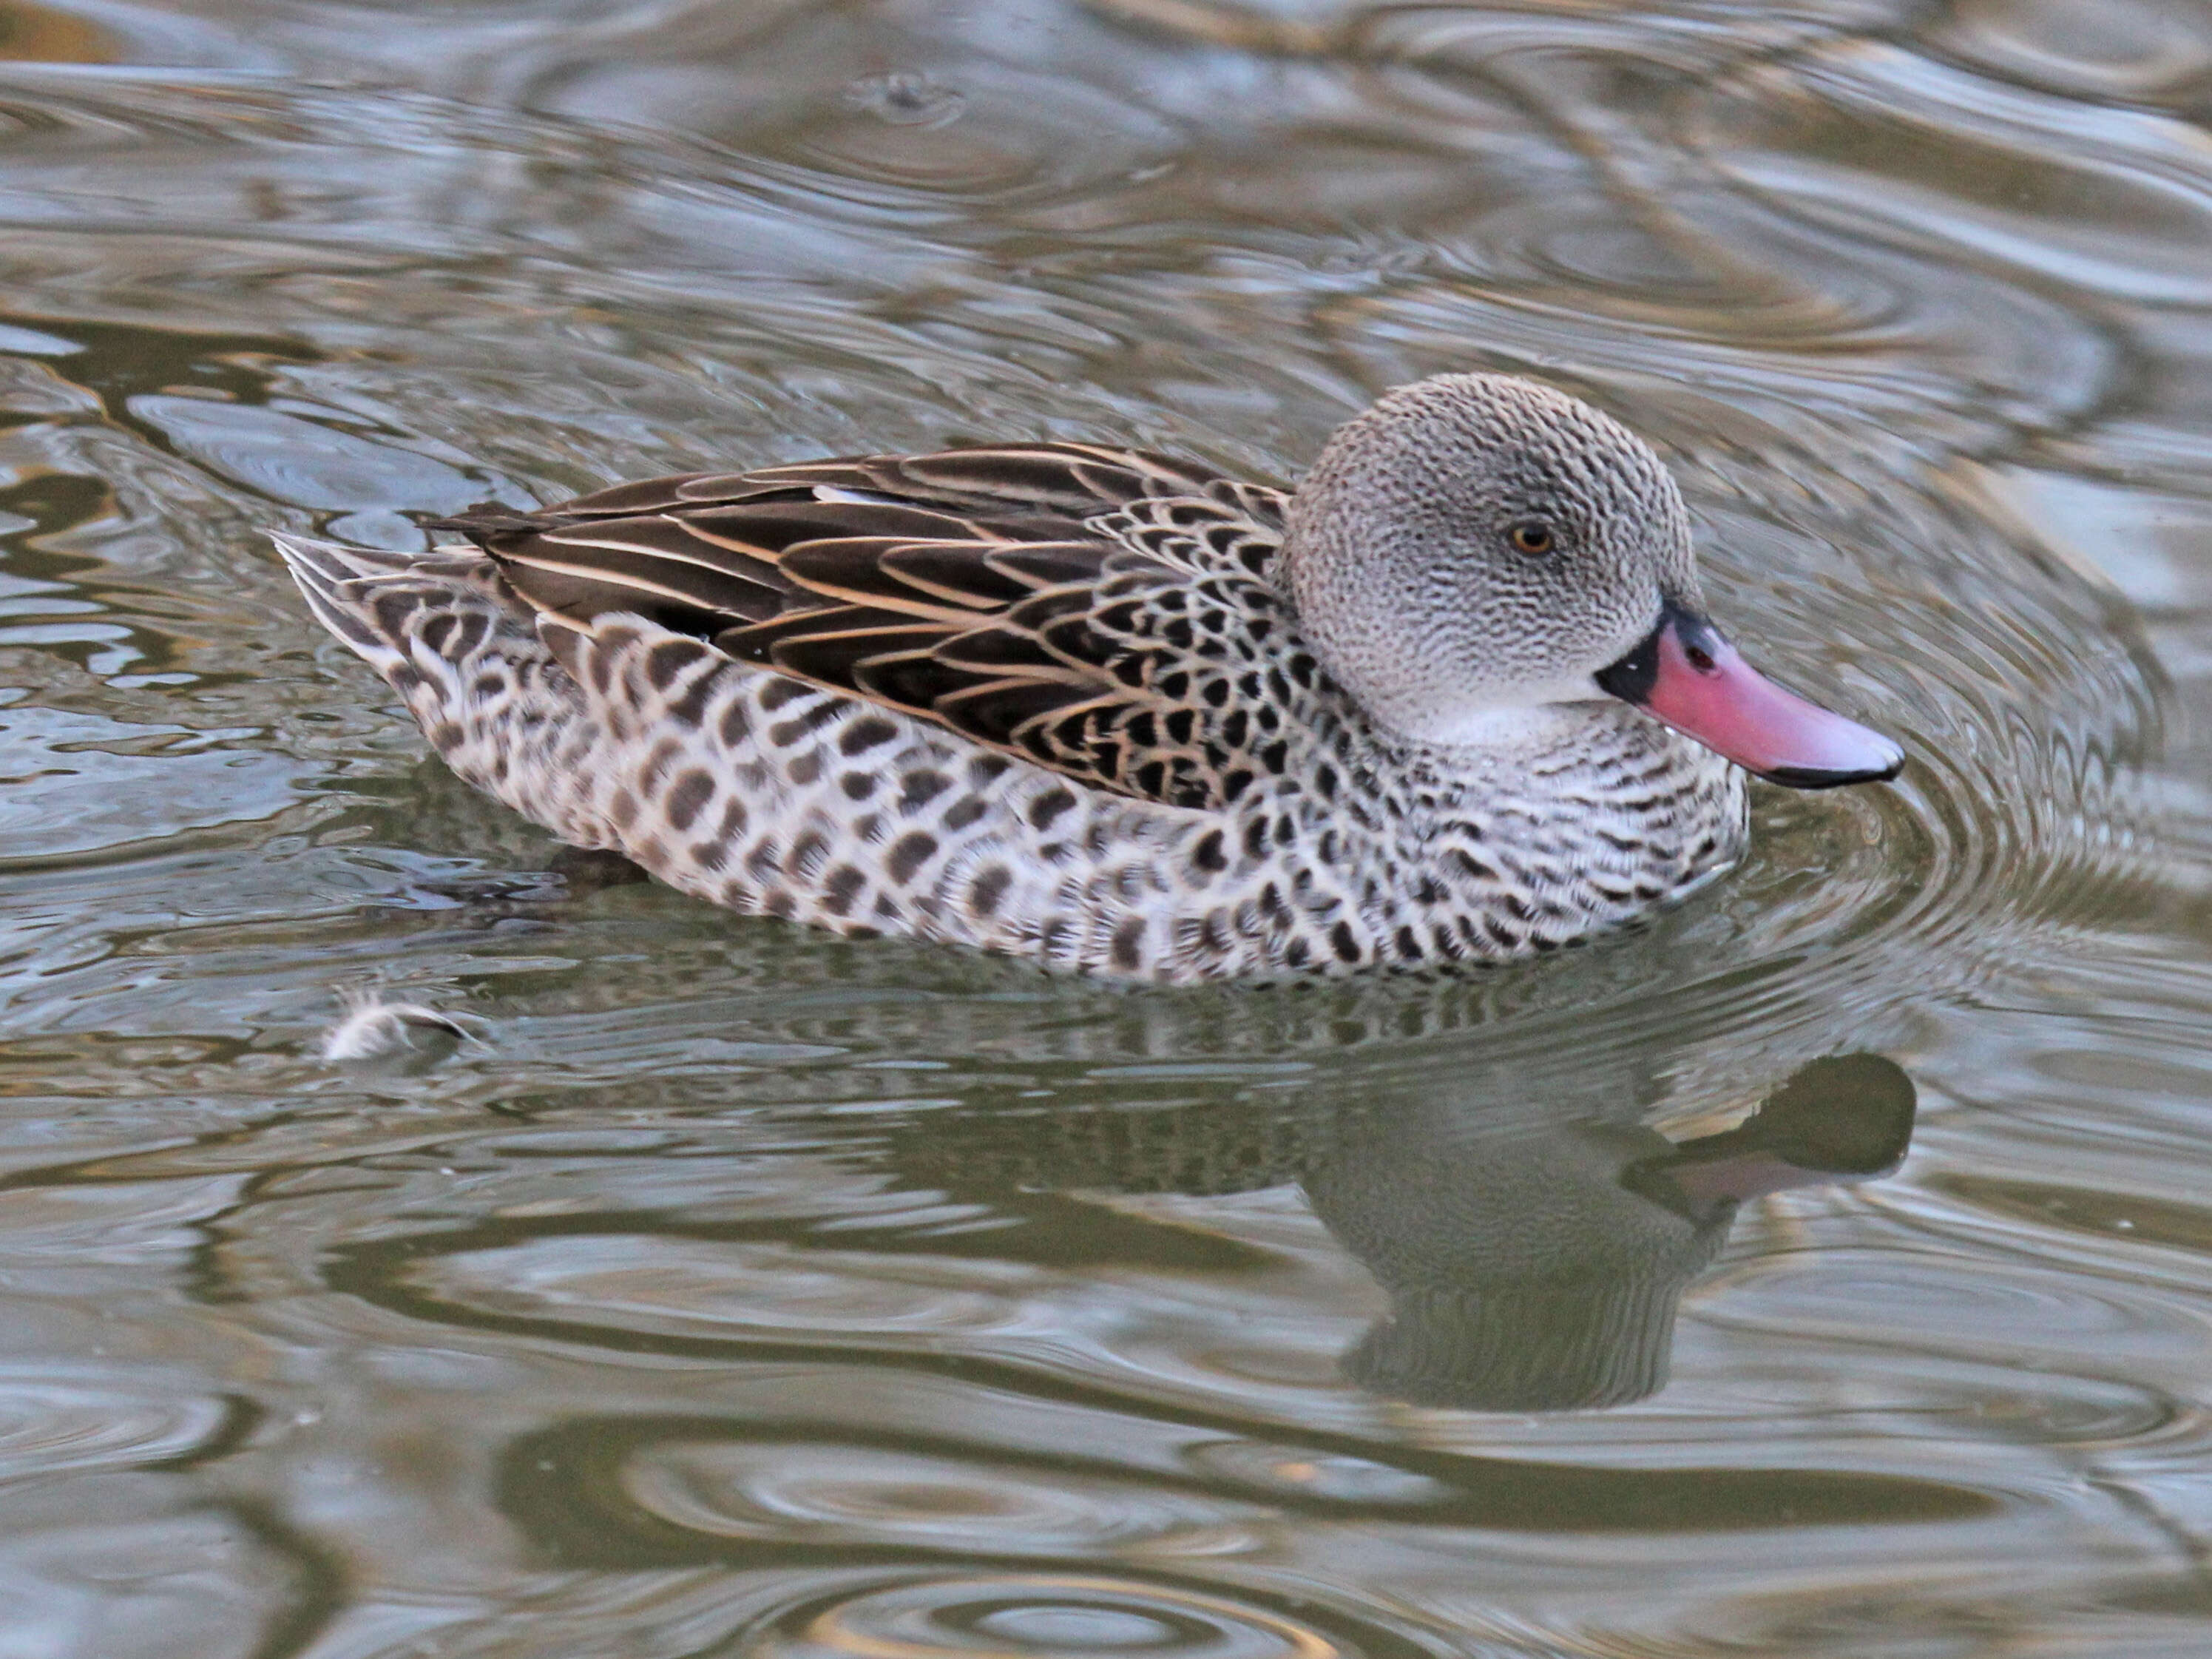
x: 376, y: 1032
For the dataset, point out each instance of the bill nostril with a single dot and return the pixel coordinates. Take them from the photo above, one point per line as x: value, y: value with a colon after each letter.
x: 1700, y: 659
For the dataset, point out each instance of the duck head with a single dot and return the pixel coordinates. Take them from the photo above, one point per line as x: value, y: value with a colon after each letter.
x: 1476, y: 545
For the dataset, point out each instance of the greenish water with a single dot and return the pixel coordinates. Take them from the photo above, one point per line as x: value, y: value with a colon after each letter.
x: 742, y: 1291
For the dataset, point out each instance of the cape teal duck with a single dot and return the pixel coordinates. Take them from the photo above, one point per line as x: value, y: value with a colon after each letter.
x: 1454, y: 700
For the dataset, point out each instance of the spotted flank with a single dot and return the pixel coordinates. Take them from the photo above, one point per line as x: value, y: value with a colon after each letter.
x: 1055, y: 700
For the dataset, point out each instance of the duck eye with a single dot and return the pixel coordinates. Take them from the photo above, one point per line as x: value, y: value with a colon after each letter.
x: 1533, y: 537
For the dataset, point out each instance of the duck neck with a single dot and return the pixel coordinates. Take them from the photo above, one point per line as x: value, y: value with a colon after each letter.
x: 1564, y: 820
x: 1597, y: 766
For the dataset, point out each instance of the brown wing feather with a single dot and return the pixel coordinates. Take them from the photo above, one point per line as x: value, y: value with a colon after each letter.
x: 982, y: 589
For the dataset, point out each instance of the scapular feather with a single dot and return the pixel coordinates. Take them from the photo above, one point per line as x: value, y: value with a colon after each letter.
x: 1026, y: 596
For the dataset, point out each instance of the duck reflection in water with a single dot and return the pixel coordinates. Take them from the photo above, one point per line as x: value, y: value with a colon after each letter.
x: 1543, y: 1270
x: 1531, y: 1265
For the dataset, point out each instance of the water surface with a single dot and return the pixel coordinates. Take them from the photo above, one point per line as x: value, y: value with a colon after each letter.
x: 745, y: 1292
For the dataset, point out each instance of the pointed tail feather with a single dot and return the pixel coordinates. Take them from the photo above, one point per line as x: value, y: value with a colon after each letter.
x: 374, y: 600
x: 329, y: 561
x: 325, y: 572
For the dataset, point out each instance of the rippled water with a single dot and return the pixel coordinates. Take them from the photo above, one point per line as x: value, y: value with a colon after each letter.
x: 742, y: 1291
